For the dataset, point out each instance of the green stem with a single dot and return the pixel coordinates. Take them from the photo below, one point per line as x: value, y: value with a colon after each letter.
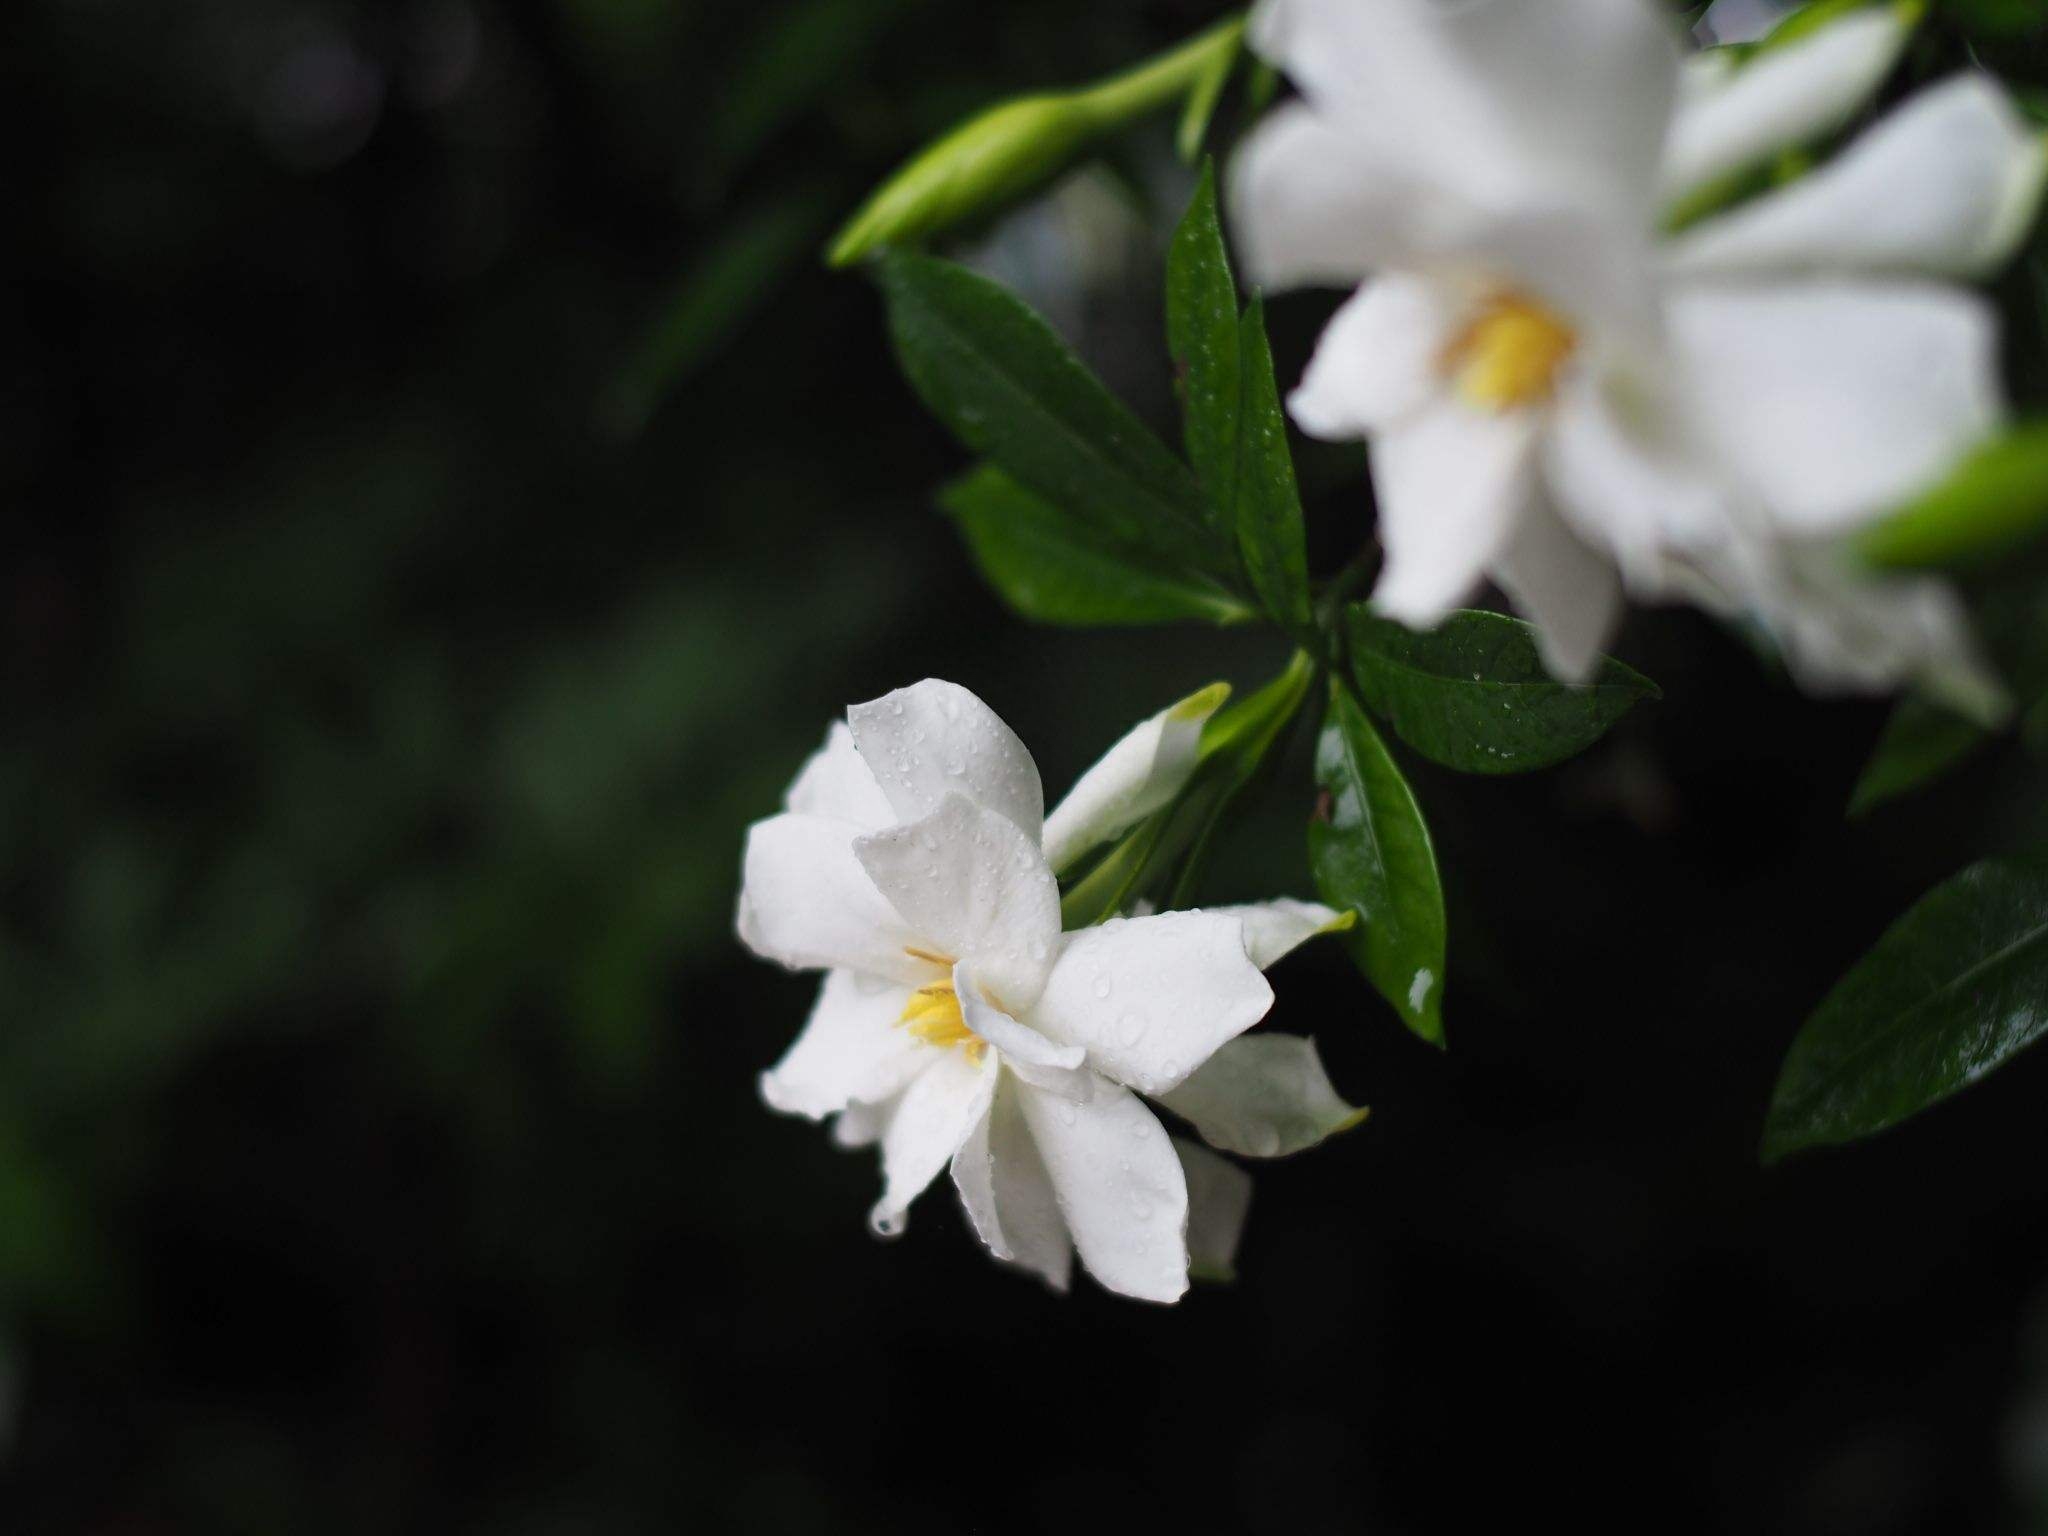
x: 1155, y: 83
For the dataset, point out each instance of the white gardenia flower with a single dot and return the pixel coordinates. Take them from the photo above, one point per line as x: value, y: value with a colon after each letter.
x: 1563, y: 398
x: 959, y: 1026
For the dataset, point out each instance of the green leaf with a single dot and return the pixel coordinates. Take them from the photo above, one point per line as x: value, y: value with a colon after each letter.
x: 1270, y: 536
x: 1994, y: 502
x: 1054, y: 568
x: 1237, y: 742
x: 1006, y: 386
x: 1371, y: 855
x: 1920, y: 742
x: 1202, y: 335
x: 1473, y: 694
x: 1954, y: 990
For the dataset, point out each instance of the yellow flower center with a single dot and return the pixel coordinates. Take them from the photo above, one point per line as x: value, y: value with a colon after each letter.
x: 1509, y: 354
x: 933, y: 1016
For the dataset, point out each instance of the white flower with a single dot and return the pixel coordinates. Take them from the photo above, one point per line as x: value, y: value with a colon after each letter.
x: 1564, y: 399
x: 959, y: 1026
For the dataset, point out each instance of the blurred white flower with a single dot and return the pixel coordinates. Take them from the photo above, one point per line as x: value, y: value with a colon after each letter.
x: 957, y: 1023
x: 1565, y: 399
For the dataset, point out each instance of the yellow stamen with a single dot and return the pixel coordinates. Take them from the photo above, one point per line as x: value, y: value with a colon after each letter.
x: 1509, y: 354
x: 924, y: 954
x: 933, y: 1016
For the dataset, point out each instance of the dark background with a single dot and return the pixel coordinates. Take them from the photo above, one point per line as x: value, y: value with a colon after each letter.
x: 396, y: 643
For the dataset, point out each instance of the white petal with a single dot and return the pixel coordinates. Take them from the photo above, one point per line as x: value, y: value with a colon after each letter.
x: 1275, y: 929
x: 1312, y: 204
x: 1838, y: 401
x: 1008, y: 1195
x: 933, y: 1118
x: 1219, y: 1195
x: 1949, y: 183
x: 1569, y: 592
x: 1503, y: 100
x: 935, y: 738
x: 851, y: 1049
x: 807, y: 902
x: 974, y: 887
x: 1134, y: 778
x: 1119, y: 1185
x: 1451, y: 483
x: 863, y: 1125
x: 1040, y: 1062
x: 1379, y: 360
x: 1265, y: 1095
x: 836, y: 783
x: 1783, y: 97
x: 1622, y: 474
x: 1151, y: 997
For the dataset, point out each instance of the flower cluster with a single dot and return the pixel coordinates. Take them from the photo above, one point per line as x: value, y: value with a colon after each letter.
x: 959, y: 1027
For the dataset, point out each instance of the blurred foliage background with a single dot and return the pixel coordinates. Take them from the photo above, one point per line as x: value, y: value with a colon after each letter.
x: 446, y: 500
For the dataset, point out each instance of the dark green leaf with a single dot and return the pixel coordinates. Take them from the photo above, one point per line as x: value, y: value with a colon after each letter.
x: 1473, y: 694
x: 1921, y: 741
x: 1270, y: 536
x: 1202, y: 336
x: 1052, y: 567
x: 1371, y: 855
x: 1995, y: 501
x: 1953, y: 990
x: 995, y: 374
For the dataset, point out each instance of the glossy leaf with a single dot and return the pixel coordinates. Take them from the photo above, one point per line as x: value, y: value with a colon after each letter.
x: 1953, y: 990
x: 1270, y: 536
x: 1371, y: 853
x: 1994, y: 502
x: 1006, y: 386
x: 1202, y: 336
x: 1473, y: 694
x: 1054, y: 568
x: 1921, y: 741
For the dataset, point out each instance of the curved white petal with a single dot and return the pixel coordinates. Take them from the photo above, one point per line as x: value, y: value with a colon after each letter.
x: 806, y: 902
x: 863, y: 1125
x: 850, y: 1050
x: 1151, y: 998
x: 1838, y: 401
x: 934, y: 739
x: 1134, y: 778
x: 1451, y: 483
x: 1504, y: 99
x: 931, y: 1120
x: 974, y: 887
x: 1568, y: 591
x: 1380, y: 359
x: 1949, y: 183
x: 1265, y: 1095
x: 1119, y: 1186
x: 1040, y: 1062
x: 1783, y: 97
x: 1219, y: 1195
x: 1621, y: 475
x: 1312, y: 204
x: 836, y: 783
x: 1275, y: 929
x: 1008, y: 1195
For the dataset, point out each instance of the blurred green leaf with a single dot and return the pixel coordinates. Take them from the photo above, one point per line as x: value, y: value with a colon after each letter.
x: 1473, y: 693
x: 1994, y: 502
x: 1920, y: 742
x: 1371, y: 853
x: 1006, y: 386
x: 722, y: 291
x: 1202, y: 336
x: 1270, y: 535
x: 1056, y: 569
x: 1953, y: 990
